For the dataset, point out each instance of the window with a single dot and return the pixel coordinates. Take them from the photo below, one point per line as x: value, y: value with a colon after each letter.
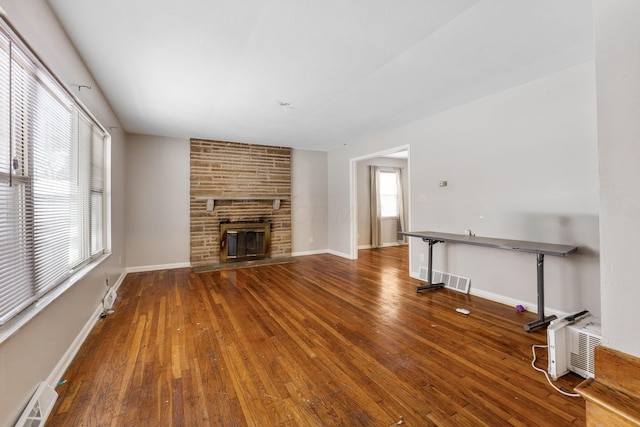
x: 51, y: 180
x: 388, y: 194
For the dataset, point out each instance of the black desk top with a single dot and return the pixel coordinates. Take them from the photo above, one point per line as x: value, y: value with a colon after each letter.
x: 511, y: 245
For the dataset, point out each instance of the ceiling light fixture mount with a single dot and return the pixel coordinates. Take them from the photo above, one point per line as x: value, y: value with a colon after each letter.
x: 286, y: 106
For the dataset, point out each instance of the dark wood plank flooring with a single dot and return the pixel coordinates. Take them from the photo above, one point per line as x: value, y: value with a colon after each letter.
x: 322, y: 342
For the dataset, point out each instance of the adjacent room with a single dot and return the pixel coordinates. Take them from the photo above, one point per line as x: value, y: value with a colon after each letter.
x: 319, y: 213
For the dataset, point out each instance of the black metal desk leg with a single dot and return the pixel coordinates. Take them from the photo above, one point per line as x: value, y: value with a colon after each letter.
x: 431, y: 285
x: 541, y: 320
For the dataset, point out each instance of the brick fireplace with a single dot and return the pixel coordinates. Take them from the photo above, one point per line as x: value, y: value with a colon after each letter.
x: 234, y: 183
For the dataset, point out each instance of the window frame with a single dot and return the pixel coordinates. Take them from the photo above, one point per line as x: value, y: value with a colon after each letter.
x: 30, y: 307
x: 382, y: 195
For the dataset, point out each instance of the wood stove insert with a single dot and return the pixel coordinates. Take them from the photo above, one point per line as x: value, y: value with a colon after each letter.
x: 244, y: 241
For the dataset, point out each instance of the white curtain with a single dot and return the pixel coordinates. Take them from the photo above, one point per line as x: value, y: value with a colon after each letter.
x: 376, y: 204
x: 376, y: 209
x: 402, y: 218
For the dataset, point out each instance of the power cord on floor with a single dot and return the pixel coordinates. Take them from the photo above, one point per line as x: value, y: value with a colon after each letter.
x: 533, y: 364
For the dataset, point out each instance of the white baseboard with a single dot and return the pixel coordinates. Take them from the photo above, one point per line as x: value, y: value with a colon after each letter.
x: 304, y: 253
x: 120, y: 280
x: 340, y: 254
x: 529, y: 306
x: 384, y: 245
x: 65, y: 361
x: 502, y: 299
x: 158, y: 267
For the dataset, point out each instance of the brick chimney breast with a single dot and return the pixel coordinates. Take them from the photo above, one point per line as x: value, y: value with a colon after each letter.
x: 244, y: 180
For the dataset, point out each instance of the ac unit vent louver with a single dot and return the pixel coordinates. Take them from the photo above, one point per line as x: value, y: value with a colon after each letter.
x: 582, y: 360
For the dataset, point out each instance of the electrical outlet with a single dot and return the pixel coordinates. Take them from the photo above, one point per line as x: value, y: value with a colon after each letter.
x: 310, y: 239
x: 421, y: 257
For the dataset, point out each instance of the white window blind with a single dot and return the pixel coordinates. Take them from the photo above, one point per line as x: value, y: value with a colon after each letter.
x: 51, y: 180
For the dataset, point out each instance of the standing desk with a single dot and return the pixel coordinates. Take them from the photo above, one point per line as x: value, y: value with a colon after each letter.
x: 540, y: 249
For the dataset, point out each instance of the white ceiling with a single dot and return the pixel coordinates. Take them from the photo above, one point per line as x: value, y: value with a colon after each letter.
x: 220, y: 69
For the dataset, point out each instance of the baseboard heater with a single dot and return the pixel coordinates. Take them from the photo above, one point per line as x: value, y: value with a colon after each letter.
x: 109, y: 299
x: 39, y: 407
x: 572, y: 341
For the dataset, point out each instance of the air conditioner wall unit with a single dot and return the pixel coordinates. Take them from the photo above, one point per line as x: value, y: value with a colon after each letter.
x: 572, y: 345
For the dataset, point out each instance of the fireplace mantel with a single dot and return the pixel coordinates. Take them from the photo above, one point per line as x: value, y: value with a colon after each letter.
x: 211, y: 199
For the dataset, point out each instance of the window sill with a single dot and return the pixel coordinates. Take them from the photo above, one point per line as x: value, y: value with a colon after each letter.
x: 14, y: 325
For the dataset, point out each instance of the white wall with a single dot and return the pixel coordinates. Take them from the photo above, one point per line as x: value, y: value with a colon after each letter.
x: 157, y: 201
x: 308, y: 202
x: 389, y: 225
x: 618, y: 82
x: 31, y: 355
x: 521, y: 164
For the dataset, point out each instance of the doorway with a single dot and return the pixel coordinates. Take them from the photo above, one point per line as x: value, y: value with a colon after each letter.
x: 397, y: 158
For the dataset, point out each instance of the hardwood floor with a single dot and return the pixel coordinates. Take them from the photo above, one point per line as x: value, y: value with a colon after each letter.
x: 321, y: 342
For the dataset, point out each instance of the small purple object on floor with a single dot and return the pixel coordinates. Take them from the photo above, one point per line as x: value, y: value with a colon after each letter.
x: 520, y: 308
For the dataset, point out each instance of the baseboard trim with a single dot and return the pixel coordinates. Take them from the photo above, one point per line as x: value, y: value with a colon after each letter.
x: 144, y: 268
x: 123, y: 275
x: 389, y: 244
x: 305, y: 253
x: 384, y: 245
x: 529, y: 306
x: 340, y: 254
x: 67, y: 358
